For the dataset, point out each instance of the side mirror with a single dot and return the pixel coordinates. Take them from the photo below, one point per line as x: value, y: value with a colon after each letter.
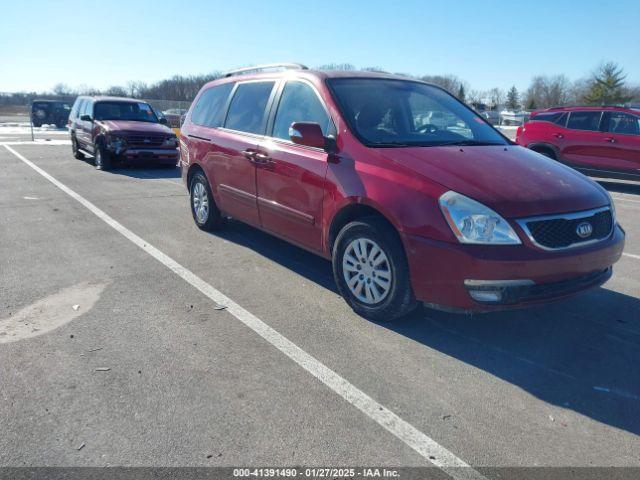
x: 86, y: 118
x: 308, y: 134
x: 162, y: 120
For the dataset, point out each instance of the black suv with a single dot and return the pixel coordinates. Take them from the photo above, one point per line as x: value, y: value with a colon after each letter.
x: 50, y: 112
x: 113, y: 129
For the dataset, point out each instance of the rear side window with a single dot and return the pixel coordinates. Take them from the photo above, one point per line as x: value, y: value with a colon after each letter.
x: 76, y: 108
x: 299, y: 103
x: 87, y: 108
x: 584, y: 121
x: 562, y: 119
x: 246, y: 112
x: 208, y: 111
x: 623, y: 123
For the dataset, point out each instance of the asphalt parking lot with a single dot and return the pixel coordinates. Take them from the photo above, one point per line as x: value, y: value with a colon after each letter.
x: 111, y: 358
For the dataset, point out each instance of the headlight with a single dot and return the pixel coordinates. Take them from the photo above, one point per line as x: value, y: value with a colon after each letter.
x: 116, y: 144
x: 612, y: 205
x: 472, y: 222
x: 171, y: 141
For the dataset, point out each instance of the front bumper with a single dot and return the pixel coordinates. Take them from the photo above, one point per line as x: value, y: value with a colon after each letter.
x: 150, y: 155
x: 450, y: 275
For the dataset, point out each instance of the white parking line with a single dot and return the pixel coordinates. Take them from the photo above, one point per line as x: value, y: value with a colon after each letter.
x: 37, y: 141
x: 410, y: 435
x: 631, y: 255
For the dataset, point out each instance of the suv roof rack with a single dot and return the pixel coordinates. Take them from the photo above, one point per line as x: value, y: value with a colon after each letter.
x: 269, y: 66
x: 564, y: 107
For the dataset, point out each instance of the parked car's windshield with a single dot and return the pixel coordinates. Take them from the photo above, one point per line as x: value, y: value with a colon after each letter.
x: 397, y: 113
x: 139, y: 112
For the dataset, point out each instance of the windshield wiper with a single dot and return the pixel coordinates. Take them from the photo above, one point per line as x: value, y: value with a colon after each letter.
x: 391, y: 144
x: 468, y: 143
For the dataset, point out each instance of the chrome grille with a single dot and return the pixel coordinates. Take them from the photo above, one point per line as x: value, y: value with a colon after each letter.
x: 145, y: 140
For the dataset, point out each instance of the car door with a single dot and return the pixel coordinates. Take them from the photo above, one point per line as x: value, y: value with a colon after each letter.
x: 622, y: 140
x: 231, y: 159
x: 583, y: 143
x: 83, y: 132
x: 290, y: 177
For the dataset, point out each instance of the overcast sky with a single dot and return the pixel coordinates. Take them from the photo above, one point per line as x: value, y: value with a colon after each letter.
x: 486, y: 43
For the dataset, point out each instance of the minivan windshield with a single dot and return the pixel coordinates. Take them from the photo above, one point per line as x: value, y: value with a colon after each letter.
x: 402, y: 113
x: 132, y: 111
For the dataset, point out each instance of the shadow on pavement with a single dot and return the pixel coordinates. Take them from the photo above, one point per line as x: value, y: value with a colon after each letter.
x: 146, y: 172
x: 582, y: 354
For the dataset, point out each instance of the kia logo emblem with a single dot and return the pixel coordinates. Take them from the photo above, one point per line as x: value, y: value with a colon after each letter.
x: 584, y: 230
x: 146, y: 140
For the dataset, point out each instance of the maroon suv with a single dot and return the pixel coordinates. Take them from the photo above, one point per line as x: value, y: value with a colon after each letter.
x: 599, y: 141
x: 350, y: 166
x: 114, y: 129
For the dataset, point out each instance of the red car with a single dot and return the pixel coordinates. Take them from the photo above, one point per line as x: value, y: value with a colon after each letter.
x: 599, y: 141
x: 114, y: 130
x: 348, y: 166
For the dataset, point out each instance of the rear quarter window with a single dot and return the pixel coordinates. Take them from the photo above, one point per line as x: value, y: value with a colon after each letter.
x: 76, y: 108
x: 547, y: 117
x: 209, y: 110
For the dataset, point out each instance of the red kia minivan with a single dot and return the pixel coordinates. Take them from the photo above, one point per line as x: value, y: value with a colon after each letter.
x: 598, y: 141
x: 349, y: 166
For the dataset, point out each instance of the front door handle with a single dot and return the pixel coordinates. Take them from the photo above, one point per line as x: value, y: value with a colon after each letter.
x: 558, y: 135
x: 261, y: 158
x: 249, y: 154
x: 610, y: 140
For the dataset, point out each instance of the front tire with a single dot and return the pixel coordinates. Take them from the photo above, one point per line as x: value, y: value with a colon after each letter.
x: 203, y: 208
x: 371, y: 271
x: 103, y: 157
x: 76, y: 149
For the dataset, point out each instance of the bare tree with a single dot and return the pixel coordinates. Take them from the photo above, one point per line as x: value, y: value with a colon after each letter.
x: 548, y: 91
x: 496, y: 97
x: 62, y: 90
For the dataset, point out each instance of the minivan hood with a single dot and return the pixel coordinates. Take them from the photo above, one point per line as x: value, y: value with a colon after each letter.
x: 512, y: 180
x: 128, y: 126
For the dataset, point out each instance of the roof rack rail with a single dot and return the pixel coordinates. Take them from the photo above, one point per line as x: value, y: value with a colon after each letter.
x: 558, y: 107
x: 269, y: 66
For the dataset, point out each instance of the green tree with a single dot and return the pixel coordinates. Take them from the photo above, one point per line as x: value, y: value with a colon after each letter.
x: 461, y: 93
x: 513, y: 98
x: 606, y: 87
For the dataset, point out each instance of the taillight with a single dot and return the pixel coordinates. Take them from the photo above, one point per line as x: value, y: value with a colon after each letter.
x: 519, y: 132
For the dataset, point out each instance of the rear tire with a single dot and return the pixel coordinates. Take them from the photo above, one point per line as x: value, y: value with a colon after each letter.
x: 547, y: 152
x: 371, y: 271
x: 203, y: 207
x: 102, y: 159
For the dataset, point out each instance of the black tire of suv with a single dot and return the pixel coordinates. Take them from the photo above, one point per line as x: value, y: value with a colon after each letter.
x: 102, y: 159
x: 215, y: 220
x: 547, y: 152
x: 75, y: 149
x: 400, y: 300
x: 37, y: 124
